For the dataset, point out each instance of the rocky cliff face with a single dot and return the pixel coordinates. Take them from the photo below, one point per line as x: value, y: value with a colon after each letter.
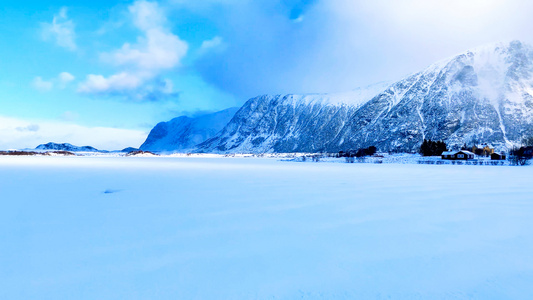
x: 184, y: 133
x: 287, y: 123
x: 481, y: 96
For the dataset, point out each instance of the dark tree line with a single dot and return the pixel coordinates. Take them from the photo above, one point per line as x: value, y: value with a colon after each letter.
x: 359, y: 153
x: 520, y: 156
x: 432, y: 148
x: 366, y: 151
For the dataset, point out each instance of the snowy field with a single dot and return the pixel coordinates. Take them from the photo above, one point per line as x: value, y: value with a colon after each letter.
x: 260, y: 228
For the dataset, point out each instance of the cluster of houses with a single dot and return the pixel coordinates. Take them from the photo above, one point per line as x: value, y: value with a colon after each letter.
x: 466, y: 155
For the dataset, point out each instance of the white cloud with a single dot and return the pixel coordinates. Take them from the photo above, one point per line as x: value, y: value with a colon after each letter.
x: 135, y: 86
x: 140, y: 64
x: 156, y: 51
x: 42, y: 85
x: 147, y: 15
x: 31, y: 127
x: 66, y: 77
x: 97, y: 84
x: 19, y: 134
x: 61, y: 30
x: 62, y: 80
x: 216, y: 43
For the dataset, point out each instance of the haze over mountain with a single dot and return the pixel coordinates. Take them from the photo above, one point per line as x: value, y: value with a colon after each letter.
x: 184, y: 133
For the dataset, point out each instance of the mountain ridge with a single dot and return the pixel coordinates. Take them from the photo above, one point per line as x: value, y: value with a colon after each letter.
x: 481, y: 95
x: 67, y: 147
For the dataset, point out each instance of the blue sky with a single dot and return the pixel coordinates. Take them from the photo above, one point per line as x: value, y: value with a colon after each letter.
x: 105, y: 72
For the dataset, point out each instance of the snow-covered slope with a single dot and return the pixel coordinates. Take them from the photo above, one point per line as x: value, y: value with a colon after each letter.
x: 289, y: 123
x: 183, y: 133
x: 66, y: 147
x: 482, y: 95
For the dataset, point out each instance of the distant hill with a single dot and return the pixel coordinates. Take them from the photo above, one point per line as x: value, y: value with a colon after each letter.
x: 129, y: 149
x: 67, y: 147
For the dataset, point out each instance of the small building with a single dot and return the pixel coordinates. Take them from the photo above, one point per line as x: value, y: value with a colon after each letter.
x: 485, y: 151
x: 457, y: 155
x: 497, y: 156
x: 448, y: 154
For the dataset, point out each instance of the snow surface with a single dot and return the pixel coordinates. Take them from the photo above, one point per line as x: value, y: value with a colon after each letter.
x: 259, y: 228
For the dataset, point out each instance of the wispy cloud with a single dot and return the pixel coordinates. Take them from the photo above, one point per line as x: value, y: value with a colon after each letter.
x: 61, y: 81
x: 214, y: 44
x: 64, y: 79
x: 61, y: 30
x: 141, y: 64
x: 31, y: 128
x: 98, y: 84
x: 42, y: 85
x: 135, y: 86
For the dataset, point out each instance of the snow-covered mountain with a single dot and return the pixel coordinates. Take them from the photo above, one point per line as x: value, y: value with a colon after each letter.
x: 184, y: 133
x: 484, y: 96
x: 288, y: 123
x: 66, y: 147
